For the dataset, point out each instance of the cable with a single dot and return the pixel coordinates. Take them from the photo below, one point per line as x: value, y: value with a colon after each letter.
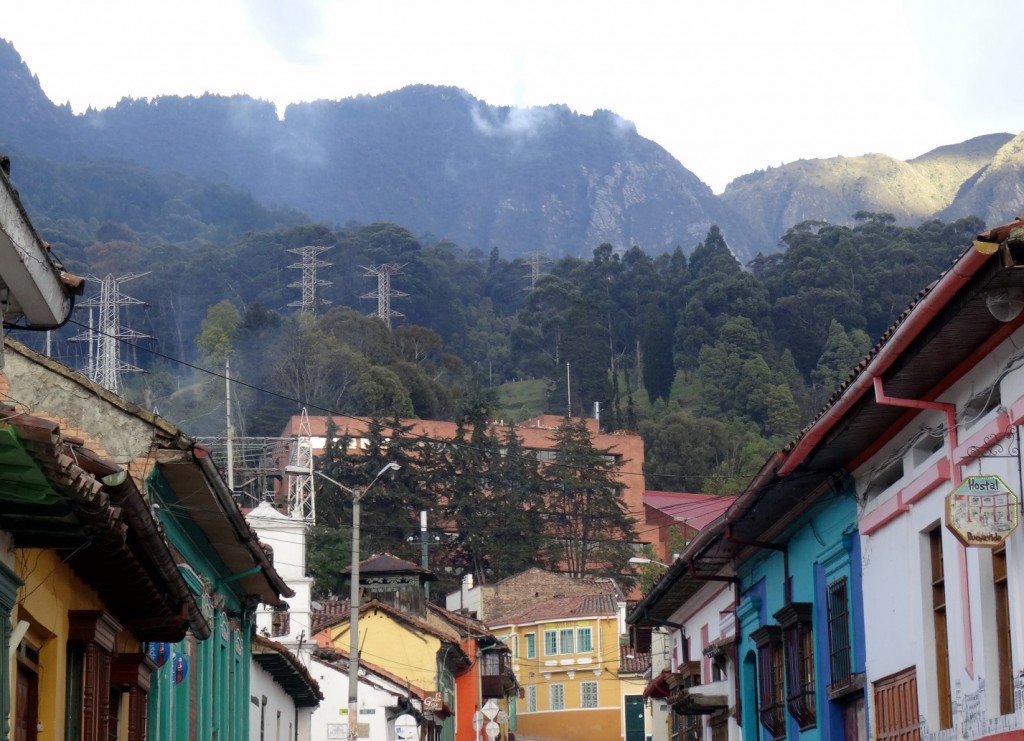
x: 397, y: 430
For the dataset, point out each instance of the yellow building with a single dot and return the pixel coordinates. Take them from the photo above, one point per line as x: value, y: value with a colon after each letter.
x: 578, y: 679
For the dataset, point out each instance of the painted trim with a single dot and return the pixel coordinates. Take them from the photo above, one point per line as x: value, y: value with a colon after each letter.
x: 883, y: 514
x: 981, y: 441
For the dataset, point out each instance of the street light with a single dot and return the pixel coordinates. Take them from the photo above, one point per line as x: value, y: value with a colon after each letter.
x: 645, y: 560
x: 353, y: 601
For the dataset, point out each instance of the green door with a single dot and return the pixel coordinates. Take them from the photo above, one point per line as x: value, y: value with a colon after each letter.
x: 635, y: 718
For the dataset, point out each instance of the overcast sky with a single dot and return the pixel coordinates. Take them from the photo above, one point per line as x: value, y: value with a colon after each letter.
x: 726, y: 86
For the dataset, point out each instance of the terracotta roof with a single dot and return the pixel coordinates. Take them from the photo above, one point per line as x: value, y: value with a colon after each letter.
x: 562, y: 608
x: 59, y: 494
x: 695, y: 510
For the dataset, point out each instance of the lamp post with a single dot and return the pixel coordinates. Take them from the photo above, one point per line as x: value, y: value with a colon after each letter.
x: 645, y: 560
x: 353, y: 602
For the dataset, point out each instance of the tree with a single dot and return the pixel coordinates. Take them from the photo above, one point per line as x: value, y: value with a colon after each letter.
x: 591, y: 530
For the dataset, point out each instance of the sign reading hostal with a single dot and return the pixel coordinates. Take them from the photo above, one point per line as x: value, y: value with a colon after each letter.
x: 982, y: 511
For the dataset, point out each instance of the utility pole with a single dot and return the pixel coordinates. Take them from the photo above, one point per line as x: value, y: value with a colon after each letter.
x: 105, y: 365
x: 310, y: 284
x: 384, y: 292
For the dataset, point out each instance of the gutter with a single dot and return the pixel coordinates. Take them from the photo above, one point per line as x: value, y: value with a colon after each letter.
x: 907, y: 331
x: 137, y: 513
x: 226, y: 502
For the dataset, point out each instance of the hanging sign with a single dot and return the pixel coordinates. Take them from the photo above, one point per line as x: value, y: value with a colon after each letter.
x: 982, y: 511
x: 180, y: 667
x: 158, y: 652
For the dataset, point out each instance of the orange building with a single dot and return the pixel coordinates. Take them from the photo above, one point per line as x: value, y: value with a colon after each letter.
x: 537, y: 435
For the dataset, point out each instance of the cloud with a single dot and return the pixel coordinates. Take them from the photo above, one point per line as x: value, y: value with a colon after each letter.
x: 517, y: 123
x: 292, y: 28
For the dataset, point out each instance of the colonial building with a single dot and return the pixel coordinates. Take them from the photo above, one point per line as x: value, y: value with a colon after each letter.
x: 876, y: 561
x: 140, y: 575
x: 455, y: 657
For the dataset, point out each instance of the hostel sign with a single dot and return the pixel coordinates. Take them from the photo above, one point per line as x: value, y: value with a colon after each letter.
x: 982, y: 511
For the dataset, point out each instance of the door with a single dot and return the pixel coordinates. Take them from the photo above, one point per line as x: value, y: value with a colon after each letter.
x: 26, y: 705
x: 635, y: 729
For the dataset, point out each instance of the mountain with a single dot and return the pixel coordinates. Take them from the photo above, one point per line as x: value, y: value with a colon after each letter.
x: 833, y: 190
x: 448, y: 167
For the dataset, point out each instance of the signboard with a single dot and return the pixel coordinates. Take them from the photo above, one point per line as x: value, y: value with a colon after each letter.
x: 982, y: 511
x: 433, y: 703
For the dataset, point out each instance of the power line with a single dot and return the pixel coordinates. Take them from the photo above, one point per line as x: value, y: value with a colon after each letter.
x: 398, y: 430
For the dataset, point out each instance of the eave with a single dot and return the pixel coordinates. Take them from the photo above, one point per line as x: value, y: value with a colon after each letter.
x: 90, y: 510
x: 34, y: 286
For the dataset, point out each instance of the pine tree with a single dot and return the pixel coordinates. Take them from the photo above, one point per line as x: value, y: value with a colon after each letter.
x: 588, y: 521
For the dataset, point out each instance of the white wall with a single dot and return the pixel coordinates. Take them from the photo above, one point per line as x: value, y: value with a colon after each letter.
x: 278, y: 712
x: 899, y: 621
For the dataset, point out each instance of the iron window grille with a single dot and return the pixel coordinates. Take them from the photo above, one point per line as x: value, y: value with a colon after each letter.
x: 771, y: 708
x: 798, y: 635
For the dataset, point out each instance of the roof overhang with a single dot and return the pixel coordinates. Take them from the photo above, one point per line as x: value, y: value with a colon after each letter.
x: 56, y: 494
x: 193, y: 478
x: 30, y: 284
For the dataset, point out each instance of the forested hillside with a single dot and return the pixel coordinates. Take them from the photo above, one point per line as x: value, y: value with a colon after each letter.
x: 713, y: 364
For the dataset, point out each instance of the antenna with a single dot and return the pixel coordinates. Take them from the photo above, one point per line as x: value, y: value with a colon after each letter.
x: 105, y: 365
x: 384, y: 292
x: 310, y: 284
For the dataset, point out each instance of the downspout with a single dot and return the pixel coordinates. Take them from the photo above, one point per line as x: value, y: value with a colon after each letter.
x: 956, y: 478
x: 918, y: 318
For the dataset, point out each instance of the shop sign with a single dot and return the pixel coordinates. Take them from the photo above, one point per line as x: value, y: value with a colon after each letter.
x: 982, y: 511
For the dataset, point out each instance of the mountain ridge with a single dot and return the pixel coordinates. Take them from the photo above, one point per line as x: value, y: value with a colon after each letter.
x: 443, y: 163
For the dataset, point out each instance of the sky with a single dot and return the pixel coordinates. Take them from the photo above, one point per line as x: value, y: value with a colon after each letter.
x: 725, y: 86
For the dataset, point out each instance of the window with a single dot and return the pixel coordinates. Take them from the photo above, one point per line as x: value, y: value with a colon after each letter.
x: 798, y: 636
x: 939, y: 628
x: 584, y: 640
x: 771, y: 679
x: 531, y: 699
x: 1003, y: 630
x: 513, y: 644
x: 839, y: 658
x: 565, y: 641
x: 550, y: 642
x: 588, y: 694
x: 557, y: 696
x: 531, y: 645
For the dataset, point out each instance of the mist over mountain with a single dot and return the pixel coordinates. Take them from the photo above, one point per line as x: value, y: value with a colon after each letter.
x: 446, y: 165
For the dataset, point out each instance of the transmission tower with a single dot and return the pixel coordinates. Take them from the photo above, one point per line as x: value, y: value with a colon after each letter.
x: 535, y: 260
x: 384, y: 292
x: 309, y: 284
x: 301, y: 500
x: 105, y: 365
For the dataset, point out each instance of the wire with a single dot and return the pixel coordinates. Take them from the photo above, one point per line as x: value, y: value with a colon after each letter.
x: 397, y: 430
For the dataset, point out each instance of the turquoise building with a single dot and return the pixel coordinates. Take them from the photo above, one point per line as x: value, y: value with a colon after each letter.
x: 202, y: 683
x: 800, y: 637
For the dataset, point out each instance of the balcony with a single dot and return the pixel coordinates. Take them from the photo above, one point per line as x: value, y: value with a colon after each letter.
x: 496, y: 676
x: 688, y: 696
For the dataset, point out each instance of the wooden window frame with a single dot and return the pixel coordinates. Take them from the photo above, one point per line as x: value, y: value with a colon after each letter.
x: 797, y: 622
x: 771, y: 706
x: 97, y: 631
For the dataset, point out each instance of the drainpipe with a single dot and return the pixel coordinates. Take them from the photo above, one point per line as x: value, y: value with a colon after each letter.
x: 918, y: 318
x: 951, y: 433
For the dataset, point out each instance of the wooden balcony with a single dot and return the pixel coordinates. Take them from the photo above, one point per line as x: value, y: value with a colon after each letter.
x: 497, y: 679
